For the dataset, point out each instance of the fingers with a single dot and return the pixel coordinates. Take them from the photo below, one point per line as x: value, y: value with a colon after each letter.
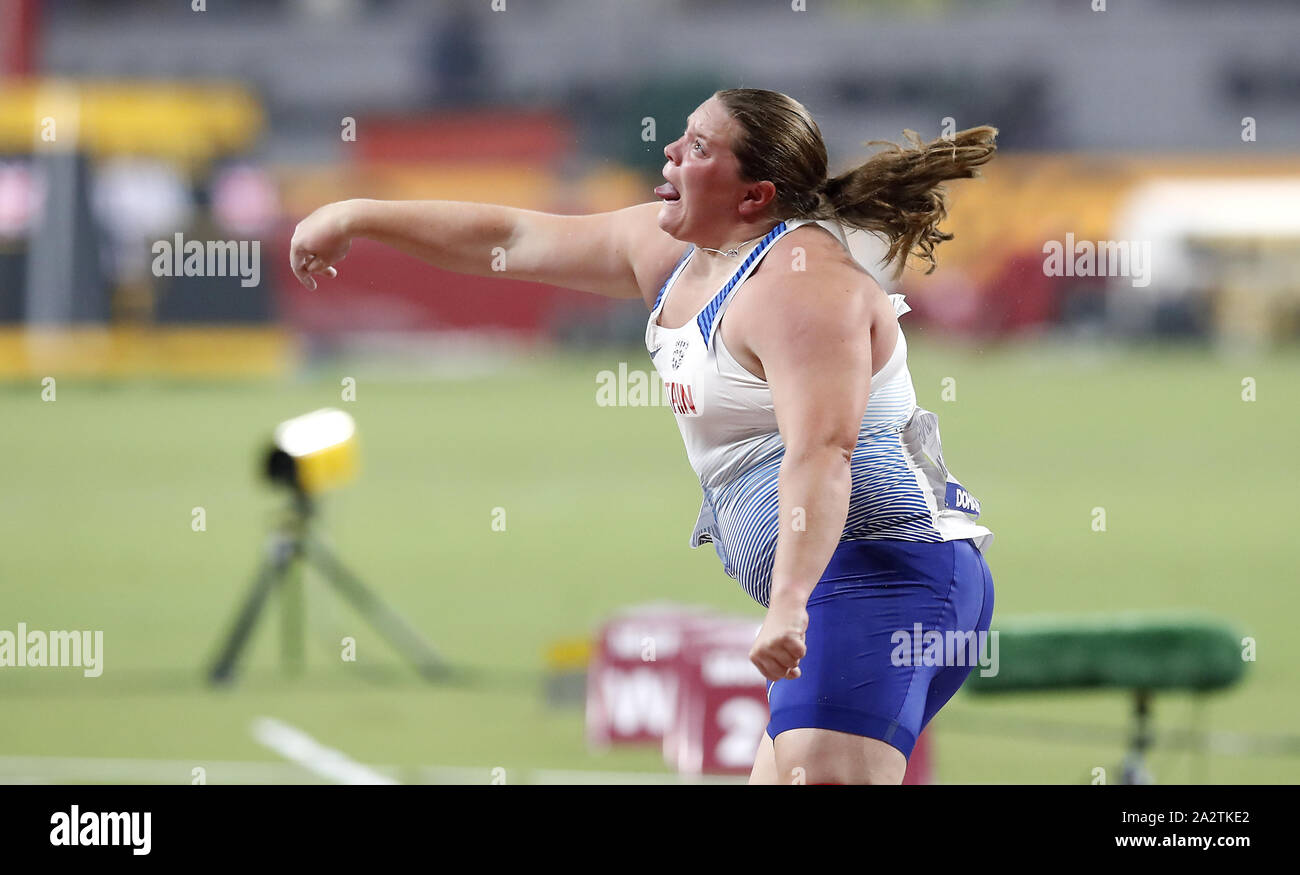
x: 786, y: 652
x: 775, y: 671
x: 298, y: 264
x: 769, y: 669
x: 779, y: 660
x: 304, y: 265
x: 794, y: 647
x: 316, y: 265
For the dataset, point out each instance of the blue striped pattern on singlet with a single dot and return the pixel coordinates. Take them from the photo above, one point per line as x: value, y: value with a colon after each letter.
x: 885, y: 500
x: 705, y: 319
x: 891, y: 484
x: 672, y: 276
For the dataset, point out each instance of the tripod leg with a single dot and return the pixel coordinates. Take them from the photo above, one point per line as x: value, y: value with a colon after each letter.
x: 292, y: 646
x: 271, y: 573
x: 390, y: 624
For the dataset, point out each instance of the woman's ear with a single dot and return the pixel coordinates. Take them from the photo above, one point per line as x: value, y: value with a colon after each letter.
x: 758, y: 199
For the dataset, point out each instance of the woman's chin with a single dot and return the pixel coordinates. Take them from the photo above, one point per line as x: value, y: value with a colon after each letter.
x: 670, y: 219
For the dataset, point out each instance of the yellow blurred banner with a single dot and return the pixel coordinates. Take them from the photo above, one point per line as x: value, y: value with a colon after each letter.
x: 185, y: 122
x: 208, y: 352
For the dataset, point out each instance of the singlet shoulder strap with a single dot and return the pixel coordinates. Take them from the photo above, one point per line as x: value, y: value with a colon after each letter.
x: 708, y: 318
x: 672, y: 277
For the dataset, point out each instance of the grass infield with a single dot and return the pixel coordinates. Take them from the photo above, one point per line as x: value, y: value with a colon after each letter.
x: 98, y: 488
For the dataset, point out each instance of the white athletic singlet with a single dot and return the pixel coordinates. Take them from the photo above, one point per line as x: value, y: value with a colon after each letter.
x: 901, y: 489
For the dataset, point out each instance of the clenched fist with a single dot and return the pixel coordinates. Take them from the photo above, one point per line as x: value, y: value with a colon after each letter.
x: 780, y: 643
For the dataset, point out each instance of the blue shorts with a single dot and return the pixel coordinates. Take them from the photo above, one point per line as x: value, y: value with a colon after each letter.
x: 867, y: 671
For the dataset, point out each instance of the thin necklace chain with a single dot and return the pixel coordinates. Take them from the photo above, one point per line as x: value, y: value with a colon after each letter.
x: 734, y: 252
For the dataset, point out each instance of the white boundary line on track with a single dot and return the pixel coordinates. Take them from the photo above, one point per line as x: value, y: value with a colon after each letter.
x: 298, y: 747
x: 43, y: 769
x: 52, y: 769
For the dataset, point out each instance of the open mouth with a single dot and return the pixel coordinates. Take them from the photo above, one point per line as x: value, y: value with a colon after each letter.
x: 667, y: 192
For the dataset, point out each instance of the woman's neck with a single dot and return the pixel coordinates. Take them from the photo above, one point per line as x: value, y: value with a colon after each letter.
x: 739, y: 242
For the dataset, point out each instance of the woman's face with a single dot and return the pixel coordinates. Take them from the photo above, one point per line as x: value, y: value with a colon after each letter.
x: 704, y: 188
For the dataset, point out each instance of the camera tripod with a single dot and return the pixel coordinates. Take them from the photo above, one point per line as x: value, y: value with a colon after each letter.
x: 289, y: 548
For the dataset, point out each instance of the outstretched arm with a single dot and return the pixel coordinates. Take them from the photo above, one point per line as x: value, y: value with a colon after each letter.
x: 617, y: 254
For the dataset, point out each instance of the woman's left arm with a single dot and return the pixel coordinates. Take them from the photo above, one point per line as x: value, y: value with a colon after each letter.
x: 812, y: 333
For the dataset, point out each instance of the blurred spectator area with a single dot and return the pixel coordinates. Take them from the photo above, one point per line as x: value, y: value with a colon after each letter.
x: 512, y: 158
x: 1230, y: 272
x: 94, y: 176
x: 1224, y: 247
x: 234, y: 123
x: 1168, y: 74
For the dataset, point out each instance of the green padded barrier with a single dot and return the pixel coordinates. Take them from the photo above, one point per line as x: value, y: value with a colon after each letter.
x: 1136, y: 651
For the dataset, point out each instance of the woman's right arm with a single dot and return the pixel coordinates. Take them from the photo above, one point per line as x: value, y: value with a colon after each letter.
x: 619, y: 254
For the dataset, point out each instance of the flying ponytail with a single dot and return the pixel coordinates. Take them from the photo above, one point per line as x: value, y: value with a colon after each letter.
x: 897, y: 193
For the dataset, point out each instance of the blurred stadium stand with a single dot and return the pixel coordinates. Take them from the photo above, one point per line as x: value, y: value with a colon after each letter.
x: 226, y: 125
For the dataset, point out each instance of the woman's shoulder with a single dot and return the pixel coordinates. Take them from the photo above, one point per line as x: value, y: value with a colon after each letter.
x: 811, y: 237
x: 811, y: 256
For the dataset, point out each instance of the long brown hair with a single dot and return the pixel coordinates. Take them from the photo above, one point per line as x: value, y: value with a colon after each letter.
x: 896, y: 193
